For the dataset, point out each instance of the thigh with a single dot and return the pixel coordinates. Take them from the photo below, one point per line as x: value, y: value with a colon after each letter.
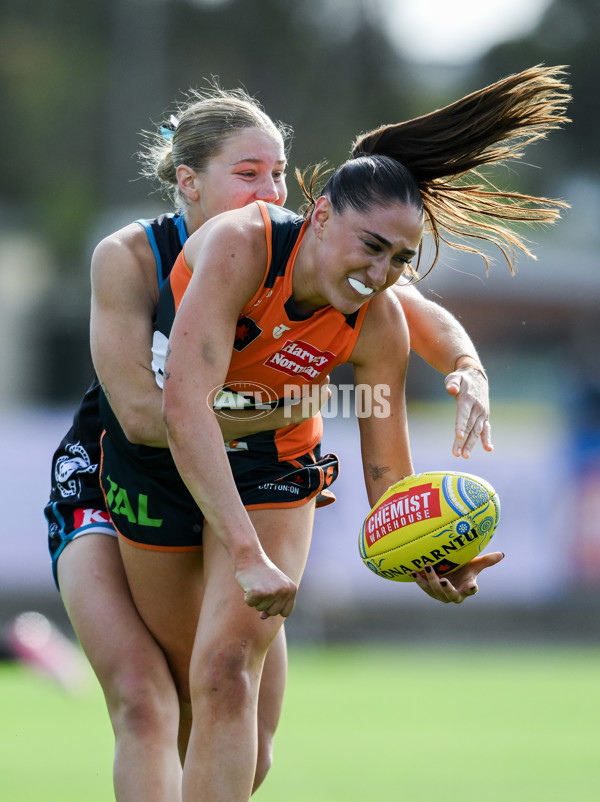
x: 285, y: 536
x: 167, y: 588
x: 96, y: 596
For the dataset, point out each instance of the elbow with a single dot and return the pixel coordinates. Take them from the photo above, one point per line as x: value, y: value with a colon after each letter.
x: 134, y: 429
x: 142, y: 425
x: 185, y: 419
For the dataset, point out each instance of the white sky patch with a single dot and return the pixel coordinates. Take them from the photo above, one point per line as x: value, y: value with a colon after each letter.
x: 457, y: 31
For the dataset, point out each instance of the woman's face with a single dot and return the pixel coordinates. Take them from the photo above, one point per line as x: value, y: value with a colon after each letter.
x: 250, y: 167
x: 360, y: 254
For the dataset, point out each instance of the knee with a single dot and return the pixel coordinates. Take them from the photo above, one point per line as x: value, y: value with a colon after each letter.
x: 225, y: 677
x: 142, y: 707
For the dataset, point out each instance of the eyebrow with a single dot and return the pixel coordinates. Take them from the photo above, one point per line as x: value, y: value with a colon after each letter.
x: 387, y: 243
x: 255, y: 160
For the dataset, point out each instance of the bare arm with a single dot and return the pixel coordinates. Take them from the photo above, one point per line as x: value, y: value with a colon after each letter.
x: 380, y: 358
x: 443, y: 343
x: 201, y: 341
x: 124, y: 294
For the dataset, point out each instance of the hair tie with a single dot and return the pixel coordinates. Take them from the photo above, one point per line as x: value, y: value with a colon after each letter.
x: 167, y: 130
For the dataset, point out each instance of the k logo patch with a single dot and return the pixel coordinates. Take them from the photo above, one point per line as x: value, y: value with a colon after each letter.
x: 246, y: 332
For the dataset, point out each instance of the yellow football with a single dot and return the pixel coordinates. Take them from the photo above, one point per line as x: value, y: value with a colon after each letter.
x: 443, y: 519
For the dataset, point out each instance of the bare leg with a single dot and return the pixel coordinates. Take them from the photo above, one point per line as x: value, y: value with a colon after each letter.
x: 227, y: 662
x: 132, y: 670
x: 168, y: 590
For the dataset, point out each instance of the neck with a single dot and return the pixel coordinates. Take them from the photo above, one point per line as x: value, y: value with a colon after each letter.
x: 193, y: 219
x: 304, y: 285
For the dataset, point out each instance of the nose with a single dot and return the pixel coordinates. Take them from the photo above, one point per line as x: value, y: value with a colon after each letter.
x: 378, y: 272
x: 268, y: 191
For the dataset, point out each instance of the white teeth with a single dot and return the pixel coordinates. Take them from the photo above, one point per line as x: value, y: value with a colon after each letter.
x: 360, y: 287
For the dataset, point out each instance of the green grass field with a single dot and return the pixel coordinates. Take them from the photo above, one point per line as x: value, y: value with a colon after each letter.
x: 364, y: 724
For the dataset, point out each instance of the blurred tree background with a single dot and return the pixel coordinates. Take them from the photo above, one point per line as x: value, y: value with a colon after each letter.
x: 80, y: 81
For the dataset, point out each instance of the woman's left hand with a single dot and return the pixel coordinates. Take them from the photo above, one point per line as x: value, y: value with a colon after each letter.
x: 455, y: 587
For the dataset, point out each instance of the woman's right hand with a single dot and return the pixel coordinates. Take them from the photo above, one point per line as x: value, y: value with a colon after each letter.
x: 267, y: 588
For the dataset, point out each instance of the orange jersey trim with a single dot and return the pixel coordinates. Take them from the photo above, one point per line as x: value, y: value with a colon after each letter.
x: 181, y: 272
x: 179, y: 278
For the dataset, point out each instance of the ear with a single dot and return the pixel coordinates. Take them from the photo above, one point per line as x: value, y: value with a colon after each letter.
x: 186, y: 181
x: 320, y: 216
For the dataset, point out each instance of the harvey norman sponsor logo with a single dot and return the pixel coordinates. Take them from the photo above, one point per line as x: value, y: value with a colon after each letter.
x: 401, y: 509
x: 299, y: 358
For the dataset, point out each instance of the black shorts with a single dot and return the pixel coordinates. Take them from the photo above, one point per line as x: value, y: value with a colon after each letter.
x: 76, y: 505
x: 152, y: 508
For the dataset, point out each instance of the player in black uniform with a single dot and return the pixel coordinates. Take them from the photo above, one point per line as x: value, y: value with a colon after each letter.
x: 238, y: 156
x: 222, y: 153
x: 76, y: 506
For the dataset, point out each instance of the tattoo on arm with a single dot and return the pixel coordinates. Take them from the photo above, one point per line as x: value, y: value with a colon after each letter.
x: 377, y: 472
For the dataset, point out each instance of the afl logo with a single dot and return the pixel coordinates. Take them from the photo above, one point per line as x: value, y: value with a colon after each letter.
x: 258, y: 400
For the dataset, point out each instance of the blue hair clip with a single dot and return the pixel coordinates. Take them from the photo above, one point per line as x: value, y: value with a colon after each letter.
x: 167, y: 130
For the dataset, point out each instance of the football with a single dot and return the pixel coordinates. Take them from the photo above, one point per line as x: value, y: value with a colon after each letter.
x: 443, y: 519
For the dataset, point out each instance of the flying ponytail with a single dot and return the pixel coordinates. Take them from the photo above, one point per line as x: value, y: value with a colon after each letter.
x: 439, y: 154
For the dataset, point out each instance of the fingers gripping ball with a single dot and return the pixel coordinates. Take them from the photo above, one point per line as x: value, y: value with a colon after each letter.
x: 443, y: 519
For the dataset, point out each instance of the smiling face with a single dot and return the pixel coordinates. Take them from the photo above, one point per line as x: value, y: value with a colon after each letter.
x: 358, y: 254
x: 250, y: 166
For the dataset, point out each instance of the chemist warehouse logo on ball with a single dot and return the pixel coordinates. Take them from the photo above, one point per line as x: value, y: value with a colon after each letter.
x: 418, y: 504
x: 300, y: 358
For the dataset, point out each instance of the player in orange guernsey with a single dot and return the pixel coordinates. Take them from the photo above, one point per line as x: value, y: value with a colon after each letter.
x: 222, y: 152
x: 309, y: 348
x: 362, y: 233
x: 216, y: 142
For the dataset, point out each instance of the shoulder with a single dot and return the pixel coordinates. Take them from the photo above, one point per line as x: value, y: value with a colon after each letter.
x: 384, y: 331
x: 235, y: 238
x: 406, y: 292
x: 127, y: 247
x: 385, y: 314
x: 227, y: 258
x: 124, y: 261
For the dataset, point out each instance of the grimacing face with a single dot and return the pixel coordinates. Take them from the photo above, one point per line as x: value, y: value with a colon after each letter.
x: 361, y: 253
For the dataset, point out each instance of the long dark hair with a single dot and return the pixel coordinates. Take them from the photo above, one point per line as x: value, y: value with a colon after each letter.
x: 429, y: 162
